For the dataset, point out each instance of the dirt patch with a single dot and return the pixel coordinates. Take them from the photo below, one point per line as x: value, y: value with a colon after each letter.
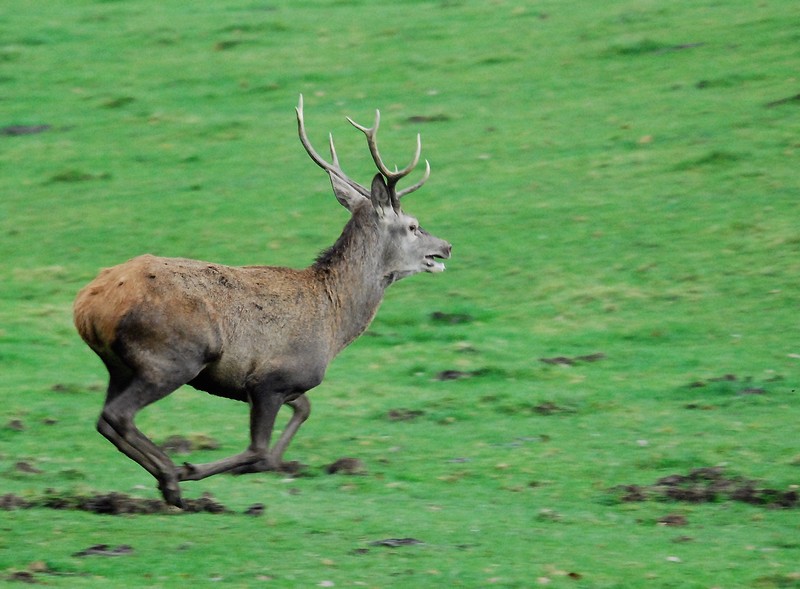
x: 709, y: 485
x: 451, y: 318
x: 571, y: 361
x: 452, y: 375
x: 673, y: 520
x: 459, y: 374
x: 10, y: 502
x: 550, y: 408
x: 183, y: 445
x: 255, y: 510
x: 396, y: 542
x: 403, y: 414
x: 122, y: 504
x: 22, y: 577
x: 788, y: 100
x: 293, y: 468
x: 105, y: 550
x: 730, y: 384
x: 351, y: 466
x: 437, y: 118
x: 14, y: 130
x: 701, y: 383
x: 110, y: 504
x: 16, y: 425
x: 23, y: 466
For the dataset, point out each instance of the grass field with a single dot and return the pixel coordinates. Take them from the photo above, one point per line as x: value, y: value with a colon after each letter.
x: 620, y: 184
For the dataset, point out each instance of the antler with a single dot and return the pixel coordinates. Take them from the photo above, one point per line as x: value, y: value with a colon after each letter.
x: 332, y: 168
x: 392, y: 177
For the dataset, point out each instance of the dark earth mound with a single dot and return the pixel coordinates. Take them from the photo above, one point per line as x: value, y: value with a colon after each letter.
x: 571, y: 361
x: 351, y: 466
x: 122, y: 504
x: 709, y: 485
x: 110, y: 504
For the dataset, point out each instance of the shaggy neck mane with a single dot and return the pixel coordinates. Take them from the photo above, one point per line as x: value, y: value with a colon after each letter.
x: 352, y: 245
x: 352, y: 278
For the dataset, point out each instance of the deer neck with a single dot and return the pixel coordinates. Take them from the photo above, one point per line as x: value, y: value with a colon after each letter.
x: 353, y: 278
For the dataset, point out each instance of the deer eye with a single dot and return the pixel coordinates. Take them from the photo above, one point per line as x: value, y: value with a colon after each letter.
x: 413, y: 228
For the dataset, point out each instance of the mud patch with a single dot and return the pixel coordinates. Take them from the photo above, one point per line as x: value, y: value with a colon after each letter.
x: 550, y: 408
x: 782, y: 101
x: 396, y: 542
x: 350, y: 466
x: 184, y: 445
x: 255, y: 510
x: 571, y: 361
x: 110, y: 504
x: 451, y: 318
x: 15, y: 130
x: 105, y: 550
x: 10, y: 502
x: 403, y: 414
x: 26, y: 467
x: 16, y: 425
x: 673, y: 520
x: 22, y: 577
x: 732, y: 384
x: 437, y: 118
x: 293, y: 468
x: 445, y: 375
x: 74, y: 175
x: 709, y: 485
x: 452, y: 375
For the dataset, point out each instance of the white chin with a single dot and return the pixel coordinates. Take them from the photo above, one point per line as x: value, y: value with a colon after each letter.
x: 435, y: 267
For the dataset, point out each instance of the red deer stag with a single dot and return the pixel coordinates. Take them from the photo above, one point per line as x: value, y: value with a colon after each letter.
x: 260, y: 334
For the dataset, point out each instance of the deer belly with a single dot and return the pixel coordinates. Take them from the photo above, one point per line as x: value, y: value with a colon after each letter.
x: 291, y: 377
x: 206, y: 381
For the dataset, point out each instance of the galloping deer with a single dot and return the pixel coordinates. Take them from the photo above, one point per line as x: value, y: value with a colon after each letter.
x: 260, y: 334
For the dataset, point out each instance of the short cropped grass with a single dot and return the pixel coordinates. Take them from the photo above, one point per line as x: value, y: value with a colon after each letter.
x: 619, y: 181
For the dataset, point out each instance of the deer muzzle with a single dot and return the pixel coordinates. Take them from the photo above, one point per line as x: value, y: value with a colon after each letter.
x: 431, y: 264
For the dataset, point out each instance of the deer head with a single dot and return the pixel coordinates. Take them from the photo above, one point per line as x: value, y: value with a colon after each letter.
x: 403, y: 246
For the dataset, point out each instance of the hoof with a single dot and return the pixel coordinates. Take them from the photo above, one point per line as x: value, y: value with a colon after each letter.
x: 179, y: 504
x: 172, y: 495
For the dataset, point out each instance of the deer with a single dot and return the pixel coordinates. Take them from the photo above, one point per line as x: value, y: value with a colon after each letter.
x: 263, y: 335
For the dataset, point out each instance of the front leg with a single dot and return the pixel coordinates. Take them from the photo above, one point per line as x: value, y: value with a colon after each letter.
x: 263, y: 411
x: 301, y: 409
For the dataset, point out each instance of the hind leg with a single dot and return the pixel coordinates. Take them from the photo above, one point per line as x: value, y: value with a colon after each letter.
x: 126, y: 397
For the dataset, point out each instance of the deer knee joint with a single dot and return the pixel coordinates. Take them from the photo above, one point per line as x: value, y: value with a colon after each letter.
x: 111, y: 421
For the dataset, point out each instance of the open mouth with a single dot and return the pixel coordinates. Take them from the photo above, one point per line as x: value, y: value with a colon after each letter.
x: 431, y: 265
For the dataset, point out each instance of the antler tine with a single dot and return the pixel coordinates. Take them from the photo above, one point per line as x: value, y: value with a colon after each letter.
x: 334, y: 157
x: 372, y: 141
x: 301, y: 129
x: 332, y: 168
x: 416, y: 186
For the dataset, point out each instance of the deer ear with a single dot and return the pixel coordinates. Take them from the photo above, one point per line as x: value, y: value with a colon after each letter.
x: 379, y: 194
x: 347, y: 196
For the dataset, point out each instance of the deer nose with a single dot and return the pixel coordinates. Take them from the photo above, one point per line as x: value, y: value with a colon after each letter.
x: 447, y: 249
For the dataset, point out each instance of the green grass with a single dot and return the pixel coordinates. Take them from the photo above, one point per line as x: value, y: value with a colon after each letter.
x: 615, y: 177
